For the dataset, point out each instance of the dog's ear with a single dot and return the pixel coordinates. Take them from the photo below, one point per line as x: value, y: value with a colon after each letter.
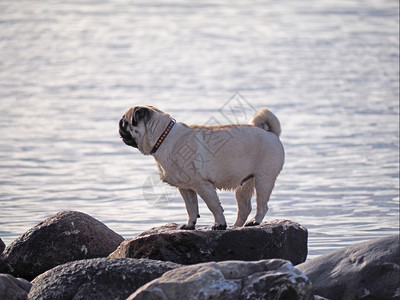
x: 140, y: 113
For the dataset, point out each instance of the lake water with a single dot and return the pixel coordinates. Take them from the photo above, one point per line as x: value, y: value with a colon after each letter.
x: 328, y: 69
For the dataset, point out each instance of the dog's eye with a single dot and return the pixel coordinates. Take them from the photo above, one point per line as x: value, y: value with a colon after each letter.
x: 123, y: 124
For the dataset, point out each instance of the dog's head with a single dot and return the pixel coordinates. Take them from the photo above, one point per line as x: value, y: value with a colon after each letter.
x: 141, y: 126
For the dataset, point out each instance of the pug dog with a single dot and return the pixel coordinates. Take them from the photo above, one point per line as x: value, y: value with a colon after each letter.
x: 200, y: 159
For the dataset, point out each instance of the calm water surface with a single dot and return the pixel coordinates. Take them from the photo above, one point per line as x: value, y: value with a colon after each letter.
x: 328, y: 69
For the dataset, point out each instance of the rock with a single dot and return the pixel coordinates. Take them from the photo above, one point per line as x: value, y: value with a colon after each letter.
x: 98, y: 278
x: 3, y: 268
x: 12, y: 288
x: 368, y: 270
x: 275, y: 239
x: 230, y: 280
x: 67, y: 236
x: 316, y: 297
x: 2, y: 246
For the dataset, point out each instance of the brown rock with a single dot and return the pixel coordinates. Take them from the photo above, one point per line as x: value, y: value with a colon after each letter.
x: 276, y: 239
x: 67, y: 236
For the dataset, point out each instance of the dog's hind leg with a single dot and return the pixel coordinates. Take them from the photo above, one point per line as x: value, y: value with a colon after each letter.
x: 207, y: 192
x: 192, y: 207
x: 264, y: 187
x: 243, y: 196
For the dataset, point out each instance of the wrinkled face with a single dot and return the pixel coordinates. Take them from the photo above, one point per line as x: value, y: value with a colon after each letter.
x: 132, y: 125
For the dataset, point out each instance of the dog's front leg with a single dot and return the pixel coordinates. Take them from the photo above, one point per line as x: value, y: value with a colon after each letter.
x: 207, y: 192
x: 192, y: 207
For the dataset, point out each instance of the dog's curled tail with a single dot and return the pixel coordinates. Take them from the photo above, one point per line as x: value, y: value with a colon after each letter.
x: 266, y: 120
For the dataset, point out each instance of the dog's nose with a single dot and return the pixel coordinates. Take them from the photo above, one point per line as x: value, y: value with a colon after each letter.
x: 125, y: 134
x: 122, y: 128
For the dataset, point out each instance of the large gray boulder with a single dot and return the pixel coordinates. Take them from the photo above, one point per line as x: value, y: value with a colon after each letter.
x: 98, y: 278
x: 67, y: 236
x: 369, y: 270
x: 276, y: 239
x: 230, y: 280
x: 12, y: 288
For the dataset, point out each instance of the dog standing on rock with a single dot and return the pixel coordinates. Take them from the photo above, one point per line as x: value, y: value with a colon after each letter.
x: 200, y: 159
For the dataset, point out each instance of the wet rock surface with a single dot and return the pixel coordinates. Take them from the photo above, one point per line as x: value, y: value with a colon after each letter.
x: 276, y: 239
x: 64, y: 237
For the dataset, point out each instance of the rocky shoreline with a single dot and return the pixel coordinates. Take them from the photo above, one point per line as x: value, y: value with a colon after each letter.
x: 71, y: 255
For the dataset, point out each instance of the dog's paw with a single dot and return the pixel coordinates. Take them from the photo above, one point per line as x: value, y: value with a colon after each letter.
x: 218, y: 227
x: 252, y: 223
x: 187, y: 227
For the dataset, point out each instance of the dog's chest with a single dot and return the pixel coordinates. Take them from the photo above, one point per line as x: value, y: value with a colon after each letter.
x: 179, y: 174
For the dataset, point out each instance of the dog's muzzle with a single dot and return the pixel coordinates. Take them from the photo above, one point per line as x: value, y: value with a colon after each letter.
x: 125, y: 134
